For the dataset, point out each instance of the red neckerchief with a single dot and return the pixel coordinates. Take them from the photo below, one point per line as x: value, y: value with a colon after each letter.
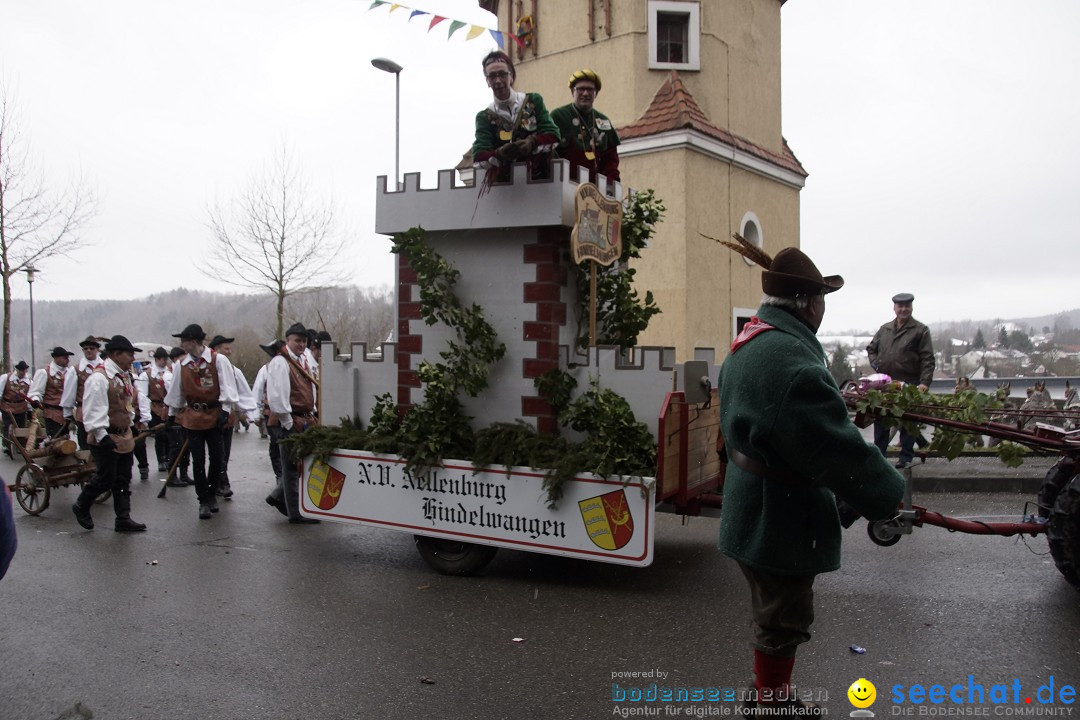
x: 750, y: 330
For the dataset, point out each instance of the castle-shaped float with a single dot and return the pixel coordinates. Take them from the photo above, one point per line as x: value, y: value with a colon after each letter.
x: 511, y: 246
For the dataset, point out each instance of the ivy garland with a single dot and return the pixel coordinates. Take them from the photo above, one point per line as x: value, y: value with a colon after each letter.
x: 968, y: 406
x: 616, y: 443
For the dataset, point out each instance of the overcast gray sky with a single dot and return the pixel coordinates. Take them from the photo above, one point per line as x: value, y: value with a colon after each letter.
x: 940, y: 137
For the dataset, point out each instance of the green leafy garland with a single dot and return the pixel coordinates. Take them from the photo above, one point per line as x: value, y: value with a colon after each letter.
x: 621, y: 314
x: 616, y: 443
x: 969, y: 406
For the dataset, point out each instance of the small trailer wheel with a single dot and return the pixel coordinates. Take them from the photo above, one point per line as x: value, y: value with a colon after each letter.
x: 32, y: 489
x: 1063, y: 532
x: 885, y: 533
x: 453, y: 557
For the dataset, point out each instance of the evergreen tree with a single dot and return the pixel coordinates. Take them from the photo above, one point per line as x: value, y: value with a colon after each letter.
x: 1003, y: 337
x: 979, y: 343
x: 838, y: 366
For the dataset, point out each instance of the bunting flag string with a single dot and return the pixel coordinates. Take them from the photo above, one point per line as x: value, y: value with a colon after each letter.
x: 474, y: 31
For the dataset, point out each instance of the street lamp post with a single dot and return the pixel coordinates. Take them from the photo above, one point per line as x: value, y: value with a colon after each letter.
x: 390, y: 66
x: 30, y: 270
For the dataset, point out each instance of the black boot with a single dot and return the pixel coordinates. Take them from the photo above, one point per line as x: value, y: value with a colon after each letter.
x: 126, y: 524
x: 162, y: 467
x: 204, y: 511
x: 144, y: 472
x: 212, y: 503
x: 82, y: 516
x: 122, y: 508
x: 277, y: 503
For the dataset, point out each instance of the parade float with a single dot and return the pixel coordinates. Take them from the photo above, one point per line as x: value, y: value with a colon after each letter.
x: 511, y: 410
x: 514, y: 408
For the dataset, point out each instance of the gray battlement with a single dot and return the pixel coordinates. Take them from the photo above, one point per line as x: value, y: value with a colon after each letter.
x: 452, y: 205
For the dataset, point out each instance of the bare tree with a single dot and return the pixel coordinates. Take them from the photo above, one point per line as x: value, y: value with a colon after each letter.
x: 277, y: 238
x: 35, y: 224
x: 350, y: 314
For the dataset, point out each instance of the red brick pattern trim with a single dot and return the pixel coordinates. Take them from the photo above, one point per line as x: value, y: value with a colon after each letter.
x: 408, y: 345
x: 545, y: 293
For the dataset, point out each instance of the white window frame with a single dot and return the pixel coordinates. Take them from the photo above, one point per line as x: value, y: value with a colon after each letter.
x: 693, y: 35
x: 758, y: 236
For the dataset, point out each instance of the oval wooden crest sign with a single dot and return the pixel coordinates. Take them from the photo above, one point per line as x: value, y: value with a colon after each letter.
x: 597, y: 233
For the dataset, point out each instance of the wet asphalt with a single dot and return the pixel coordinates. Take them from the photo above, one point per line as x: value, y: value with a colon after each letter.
x: 247, y: 616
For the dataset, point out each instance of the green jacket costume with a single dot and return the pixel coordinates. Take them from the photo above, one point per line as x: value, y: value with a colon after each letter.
x: 780, y: 406
x: 582, y: 135
x: 905, y: 353
x: 493, y: 131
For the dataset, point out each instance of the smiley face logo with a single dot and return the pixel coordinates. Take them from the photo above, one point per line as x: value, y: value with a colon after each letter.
x: 862, y: 693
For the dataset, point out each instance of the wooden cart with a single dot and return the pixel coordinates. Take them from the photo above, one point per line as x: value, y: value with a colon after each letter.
x: 56, y: 463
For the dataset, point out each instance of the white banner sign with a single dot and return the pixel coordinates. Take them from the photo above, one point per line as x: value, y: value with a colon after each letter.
x: 596, y: 519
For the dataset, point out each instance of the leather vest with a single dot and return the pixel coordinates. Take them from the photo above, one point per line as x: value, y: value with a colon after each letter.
x: 14, y: 400
x: 202, y: 392
x: 122, y: 398
x: 54, y: 390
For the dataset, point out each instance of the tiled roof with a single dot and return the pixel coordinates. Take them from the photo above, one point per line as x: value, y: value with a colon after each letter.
x: 674, y: 108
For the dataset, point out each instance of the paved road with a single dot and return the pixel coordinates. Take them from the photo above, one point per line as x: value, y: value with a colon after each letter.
x: 246, y: 616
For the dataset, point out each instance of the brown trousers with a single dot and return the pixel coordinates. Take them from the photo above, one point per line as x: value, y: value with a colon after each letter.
x: 782, y: 607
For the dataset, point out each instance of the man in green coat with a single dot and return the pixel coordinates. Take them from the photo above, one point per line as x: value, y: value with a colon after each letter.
x: 515, y: 127
x: 792, y: 453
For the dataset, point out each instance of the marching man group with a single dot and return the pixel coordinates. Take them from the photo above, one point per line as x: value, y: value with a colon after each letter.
x: 189, y: 400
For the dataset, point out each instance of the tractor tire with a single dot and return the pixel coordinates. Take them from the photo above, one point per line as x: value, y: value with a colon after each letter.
x: 1057, y: 478
x: 1063, y: 532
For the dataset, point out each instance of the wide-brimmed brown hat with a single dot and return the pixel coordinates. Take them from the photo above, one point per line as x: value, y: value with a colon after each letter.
x: 90, y: 341
x: 793, y: 273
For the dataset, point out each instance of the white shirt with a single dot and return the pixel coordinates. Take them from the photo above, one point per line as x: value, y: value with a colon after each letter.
x: 67, y: 397
x: 279, y: 387
x: 246, y: 403
x: 162, y: 373
x: 95, y: 407
x: 95, y: 363
x: 142, y: 385
x: 227, y: 393
x: 259, y: 388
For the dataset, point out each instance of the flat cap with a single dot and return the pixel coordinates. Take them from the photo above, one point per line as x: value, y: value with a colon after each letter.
x: 903, y: 298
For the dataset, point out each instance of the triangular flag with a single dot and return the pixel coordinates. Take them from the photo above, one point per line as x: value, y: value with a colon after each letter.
x: 498, y: 36
x: 394, y: 7
x: 376, y: 4
x: 475, y: 31
x: 454, y: 27
x: 414, y: 13
x: 435, y: 21
x: 516, y: 39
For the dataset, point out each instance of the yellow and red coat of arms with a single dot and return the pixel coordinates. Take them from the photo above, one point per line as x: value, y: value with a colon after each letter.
x: 608, y: 520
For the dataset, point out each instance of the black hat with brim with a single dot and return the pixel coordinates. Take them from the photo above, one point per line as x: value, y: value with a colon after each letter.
x: 58, y: 351
x: 176, y: 352
x: 90, y: 341
x: 119, y: 343
x: 793, y: 273
x: 161, y: 352
x: 22, y: 365
x: 273, y: 349
x: 296, y: 329
x: 191, y: 332
x: 220, y: 340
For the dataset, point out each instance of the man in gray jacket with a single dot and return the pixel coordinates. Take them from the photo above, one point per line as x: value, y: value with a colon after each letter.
x: 902, y: 348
